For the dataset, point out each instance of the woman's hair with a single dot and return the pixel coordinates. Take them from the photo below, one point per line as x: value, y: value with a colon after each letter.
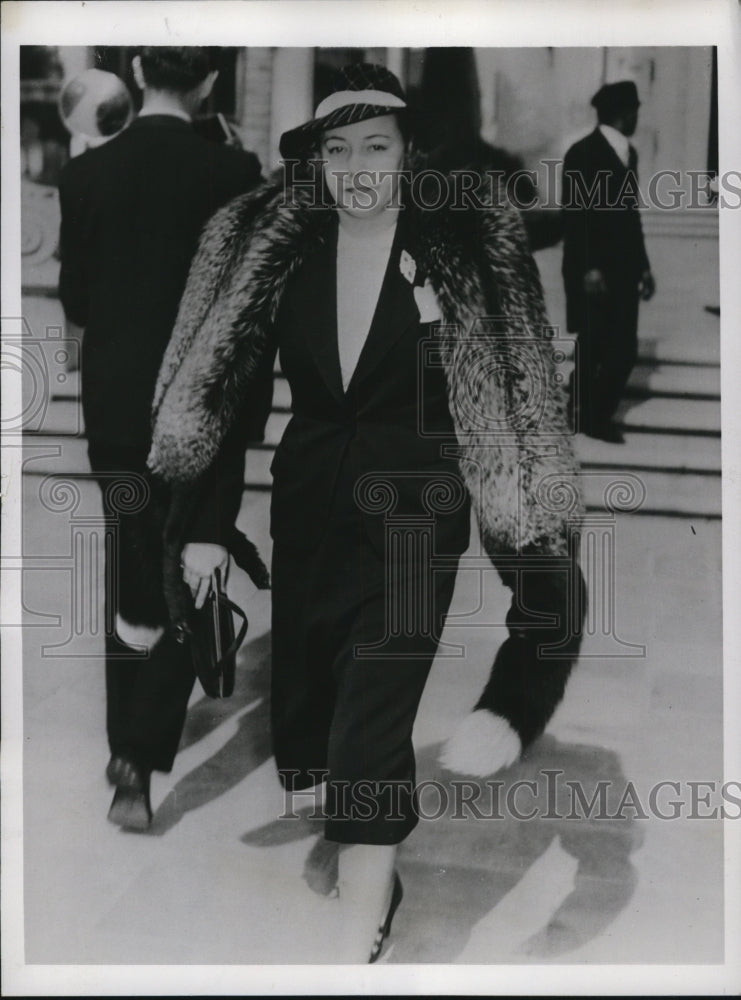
x: 177, y: 68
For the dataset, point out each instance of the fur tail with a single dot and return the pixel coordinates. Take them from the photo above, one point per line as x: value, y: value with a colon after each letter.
x: 525, y: 685
x: 246, y: 556
x: 516, y: 705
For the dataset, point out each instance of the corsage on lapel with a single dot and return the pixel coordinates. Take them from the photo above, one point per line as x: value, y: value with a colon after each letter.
x: 424, y: 295
x: 408, y: 266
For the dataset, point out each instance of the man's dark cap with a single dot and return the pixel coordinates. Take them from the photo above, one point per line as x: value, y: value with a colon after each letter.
x: 612, y: 98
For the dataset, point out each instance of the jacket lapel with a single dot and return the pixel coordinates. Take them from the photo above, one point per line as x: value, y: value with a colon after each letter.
x: 395, y: 309
x: 319, y: 279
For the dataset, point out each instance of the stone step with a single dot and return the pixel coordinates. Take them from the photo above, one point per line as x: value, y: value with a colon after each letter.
x: 257, y: 468
x: 281, y: 394
x: 58, y: 455
x: 686, y: 381
x: 64, y: 455
x: 642, y: 452
x: 666, y: 493
x: 671, y: 416
x: 61, y: 416
x: 657, y: 452
x: 276, y: 425
x: 67, y: 389
x: 674, y: 348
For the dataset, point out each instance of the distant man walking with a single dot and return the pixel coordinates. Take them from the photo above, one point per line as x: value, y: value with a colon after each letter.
x: 605, y: 265
x: 132, y: 213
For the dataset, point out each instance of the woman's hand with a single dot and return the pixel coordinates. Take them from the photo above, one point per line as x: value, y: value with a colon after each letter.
x: 199, y: 560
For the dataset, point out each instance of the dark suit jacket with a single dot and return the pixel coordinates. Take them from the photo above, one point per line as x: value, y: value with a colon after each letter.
x: 372, y: 429
x: 132, y: 212
x: 601, y: 230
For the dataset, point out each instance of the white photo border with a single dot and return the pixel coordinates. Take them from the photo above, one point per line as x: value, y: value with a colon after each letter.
x: 483, y: 23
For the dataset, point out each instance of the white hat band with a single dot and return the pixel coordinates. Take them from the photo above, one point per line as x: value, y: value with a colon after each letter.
x: 340, y: 99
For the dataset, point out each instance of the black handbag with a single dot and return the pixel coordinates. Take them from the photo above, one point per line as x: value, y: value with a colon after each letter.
x: 213, y: 641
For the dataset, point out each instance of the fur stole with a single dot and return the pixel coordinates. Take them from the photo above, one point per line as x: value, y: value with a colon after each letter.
x: 509, y: 412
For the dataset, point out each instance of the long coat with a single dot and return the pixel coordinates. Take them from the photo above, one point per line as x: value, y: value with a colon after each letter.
x: 506, y: 406
x: 132, y: 213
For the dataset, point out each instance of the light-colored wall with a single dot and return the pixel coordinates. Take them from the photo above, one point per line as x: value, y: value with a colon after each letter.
x: 277, y: 89
x: 254, y: 100
x: 293, y: 85
x: 536, y: 101
x: 75, y: 59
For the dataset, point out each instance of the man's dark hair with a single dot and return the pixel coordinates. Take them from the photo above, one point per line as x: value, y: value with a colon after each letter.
x: 177, y: 68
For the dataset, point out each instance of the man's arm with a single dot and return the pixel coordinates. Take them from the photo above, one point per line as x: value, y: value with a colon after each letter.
x: 73, y: 275
x: 647, y: 283
x: 583, y: 189
x: 574, y: 212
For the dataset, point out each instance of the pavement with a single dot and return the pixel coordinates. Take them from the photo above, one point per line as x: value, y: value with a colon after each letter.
x: 631, y: 888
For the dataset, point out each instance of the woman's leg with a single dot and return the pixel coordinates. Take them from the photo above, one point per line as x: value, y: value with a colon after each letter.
x: 371, y: 801
x: 366, y: 881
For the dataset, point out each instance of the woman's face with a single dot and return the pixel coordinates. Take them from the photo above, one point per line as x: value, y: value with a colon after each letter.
x: 363, y: 163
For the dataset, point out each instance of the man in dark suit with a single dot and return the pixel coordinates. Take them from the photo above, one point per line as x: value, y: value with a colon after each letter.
x: 605, y: 266
x: 132, y: 213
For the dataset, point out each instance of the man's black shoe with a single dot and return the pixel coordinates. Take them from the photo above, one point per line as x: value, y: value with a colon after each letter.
x: 131, y: 807
x: 131, y: 810
x: 124, y: 773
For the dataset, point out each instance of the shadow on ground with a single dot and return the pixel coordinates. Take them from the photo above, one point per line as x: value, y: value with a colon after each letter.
x: 462, y: 861
x: 243, y: 753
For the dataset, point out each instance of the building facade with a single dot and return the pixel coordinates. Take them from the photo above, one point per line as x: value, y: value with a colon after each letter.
x: 532, y: 102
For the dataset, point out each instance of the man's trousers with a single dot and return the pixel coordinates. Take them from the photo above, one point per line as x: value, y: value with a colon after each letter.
x: 607, y: 349
x: 147, y: 691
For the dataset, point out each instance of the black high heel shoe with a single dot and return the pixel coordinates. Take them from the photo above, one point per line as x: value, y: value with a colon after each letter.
x: 384, y: 930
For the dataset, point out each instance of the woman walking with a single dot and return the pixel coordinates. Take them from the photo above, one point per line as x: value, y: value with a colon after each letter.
x: 404, y: 410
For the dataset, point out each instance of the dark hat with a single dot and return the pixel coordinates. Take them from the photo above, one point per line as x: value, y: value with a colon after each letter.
x: 359, y: 92
x: 612, y: 98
